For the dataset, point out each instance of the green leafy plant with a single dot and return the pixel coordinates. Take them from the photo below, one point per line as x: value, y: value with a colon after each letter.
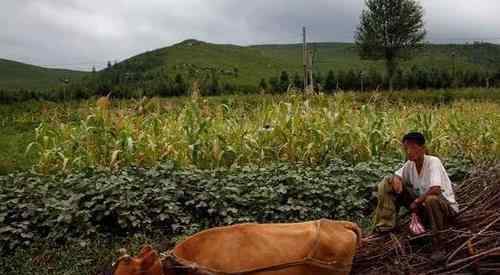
x: 165, y: 200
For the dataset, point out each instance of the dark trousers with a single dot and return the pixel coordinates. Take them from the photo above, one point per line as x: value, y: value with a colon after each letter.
x: 435, y: 212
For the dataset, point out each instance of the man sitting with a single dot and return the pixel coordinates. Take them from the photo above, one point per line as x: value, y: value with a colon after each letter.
x: 422, y: 185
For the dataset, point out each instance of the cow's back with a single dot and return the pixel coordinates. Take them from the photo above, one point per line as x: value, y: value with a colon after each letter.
x: 250, y: 246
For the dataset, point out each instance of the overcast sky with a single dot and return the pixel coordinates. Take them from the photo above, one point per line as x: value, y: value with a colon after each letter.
x: 78, y: 34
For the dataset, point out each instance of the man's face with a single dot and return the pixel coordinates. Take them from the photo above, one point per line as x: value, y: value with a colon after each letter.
x: 413, y: 151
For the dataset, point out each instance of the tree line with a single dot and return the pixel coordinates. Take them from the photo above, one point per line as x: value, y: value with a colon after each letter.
x: 416, y: 78
x: 123, y: 84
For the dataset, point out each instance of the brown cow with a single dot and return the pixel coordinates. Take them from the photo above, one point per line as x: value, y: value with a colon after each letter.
x: 309, y: 248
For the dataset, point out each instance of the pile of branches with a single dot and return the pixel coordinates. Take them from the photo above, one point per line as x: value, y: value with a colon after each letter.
x: 472, y: 244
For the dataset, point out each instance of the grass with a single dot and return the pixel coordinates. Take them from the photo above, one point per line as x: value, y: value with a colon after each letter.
x: 17, y: 124
x: 12, y: 141
x: 16, y: 75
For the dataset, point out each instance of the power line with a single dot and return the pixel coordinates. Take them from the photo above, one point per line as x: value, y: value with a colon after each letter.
x: 78, y: 63
x: 465, y: 38
x: 75, y: 64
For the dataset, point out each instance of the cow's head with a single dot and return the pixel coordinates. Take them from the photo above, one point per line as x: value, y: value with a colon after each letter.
x: 146, y: 263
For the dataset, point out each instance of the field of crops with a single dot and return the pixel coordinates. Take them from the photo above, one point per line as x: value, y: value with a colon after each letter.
x: 257, y: 131
x: 111, y: 173
x: 45, y: 219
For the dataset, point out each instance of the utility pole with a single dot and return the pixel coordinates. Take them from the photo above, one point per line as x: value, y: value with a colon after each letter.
x: 308, y: 64
x: 454, y: 70
x: 361, y: 76
x: 311, y: 80
x: 304, y: 57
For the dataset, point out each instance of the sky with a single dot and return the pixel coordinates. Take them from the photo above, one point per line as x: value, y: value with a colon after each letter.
x: 80, y: 34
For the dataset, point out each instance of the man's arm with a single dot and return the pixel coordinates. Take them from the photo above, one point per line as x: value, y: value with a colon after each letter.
x: 433, y: 191
x: 397, y: 179
x: 397, y: 184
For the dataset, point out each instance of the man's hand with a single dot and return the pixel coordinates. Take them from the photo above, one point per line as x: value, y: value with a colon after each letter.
x: 397, y: 184
x: 414, y: 206
x: 416, y: 203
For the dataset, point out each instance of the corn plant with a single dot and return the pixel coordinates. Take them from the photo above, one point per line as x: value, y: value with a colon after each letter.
x: 242, y: 131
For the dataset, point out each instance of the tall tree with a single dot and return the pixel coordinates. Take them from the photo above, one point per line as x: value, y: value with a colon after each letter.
x: 390, y: 29
x: 180, y: 86
x: 318, y: 81
x: 274, y: 84
x: 330, y: 82
x: 263, y: 84
x: 298, y: 82
x: 284, y: 81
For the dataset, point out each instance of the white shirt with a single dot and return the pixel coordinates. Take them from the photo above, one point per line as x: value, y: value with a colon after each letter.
x: 432, y: 174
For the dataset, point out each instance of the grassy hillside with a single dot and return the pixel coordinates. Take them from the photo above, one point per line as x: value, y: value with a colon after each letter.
x: 247, y: 65
x: 343, y: 56
x: 16, y: 75
x: 244, y: 65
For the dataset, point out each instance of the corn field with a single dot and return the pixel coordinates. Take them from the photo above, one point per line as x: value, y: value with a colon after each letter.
x: 256, y: 131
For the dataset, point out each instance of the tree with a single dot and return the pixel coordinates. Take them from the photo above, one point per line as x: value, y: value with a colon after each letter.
x: 213, y: 85
x: 422, y: 79
x: 284, y: 81
x: 330, y: 82
x: 318, y: 80
x: 297, y: 81
x: 351, y: 80
x: 497, y: 78
x: 374, y: 79
x: 389, y: 30
x: 274, y: 83
x: 341, y: 76
x: 180, y: 87
x: 263, y: 84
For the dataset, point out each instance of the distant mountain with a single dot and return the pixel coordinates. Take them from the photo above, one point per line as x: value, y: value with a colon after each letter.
x: 247, y: 65
x: 15, y: 75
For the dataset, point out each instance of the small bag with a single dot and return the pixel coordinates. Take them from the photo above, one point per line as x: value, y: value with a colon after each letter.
x: 416, y: 227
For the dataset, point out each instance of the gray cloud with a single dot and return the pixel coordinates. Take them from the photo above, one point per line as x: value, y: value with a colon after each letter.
x: 80, y: 33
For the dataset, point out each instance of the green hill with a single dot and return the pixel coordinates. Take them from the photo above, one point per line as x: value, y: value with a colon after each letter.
x: 16, y: 75
x: 246, y: 65
x: 343, y: 56
x: 192, y: 58
x: 242, y: 65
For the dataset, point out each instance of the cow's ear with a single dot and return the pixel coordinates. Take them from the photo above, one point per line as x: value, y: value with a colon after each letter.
x: 145, y: 250
x: 148, y: 258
